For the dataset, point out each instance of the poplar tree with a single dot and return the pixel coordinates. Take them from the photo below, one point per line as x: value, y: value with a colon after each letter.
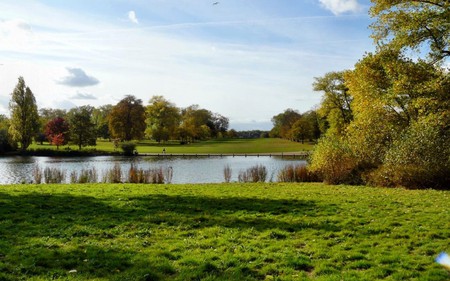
x: 24, y: 123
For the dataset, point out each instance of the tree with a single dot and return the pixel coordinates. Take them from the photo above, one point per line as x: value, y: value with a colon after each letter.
x: 314, y: 120
x: 57, y: 131
x: 401, y: 112
x: 302, y: 129
x: 82, y: 129
x: 402, y: 24
x: 127, y: 119
x: 6, y: 143
x: 219, y: 125
x: 24, y: 115
x: 192, y: 120
x: 336, y: 101
x: 283, y: 122
x: 163, y: 119
x: 100, y: 117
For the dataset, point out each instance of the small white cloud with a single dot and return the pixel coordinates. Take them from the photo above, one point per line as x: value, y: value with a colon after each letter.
x: 341, y: 6
x: 78, y: 78
x: 132, y: 17
x: 83, y: 96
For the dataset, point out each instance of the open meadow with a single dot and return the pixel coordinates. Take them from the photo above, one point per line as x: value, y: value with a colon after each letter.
x: 219, y: 146
x: 264, y: 231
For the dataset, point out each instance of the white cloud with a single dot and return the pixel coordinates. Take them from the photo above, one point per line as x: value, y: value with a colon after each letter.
x: 132, y: 17
x: 83, y: 96
x: 78, y: 78
x: 341, y: 6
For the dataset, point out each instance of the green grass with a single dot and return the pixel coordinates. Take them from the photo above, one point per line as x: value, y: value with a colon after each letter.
x: 263, y: 145
x: 221, y: 232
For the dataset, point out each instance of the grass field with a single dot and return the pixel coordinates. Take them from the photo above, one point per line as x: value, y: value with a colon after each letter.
x: 221, y: 232
x: 263, y: 145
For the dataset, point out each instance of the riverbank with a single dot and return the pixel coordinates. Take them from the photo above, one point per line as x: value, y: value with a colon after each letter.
x: 266, y: 146
x: 263, y: 231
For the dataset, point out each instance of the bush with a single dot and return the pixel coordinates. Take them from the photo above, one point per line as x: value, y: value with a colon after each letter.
x: 86, y: 176
x: 37, y: 174
x: 128, y: 148
x: 256, y: 173
x: 54, y: 175
x: 155, y: 175
x: 334, y: 162
x: 420, y: 158
x: 227, y: 173
x: 114, y: 175
x: 297, y: 173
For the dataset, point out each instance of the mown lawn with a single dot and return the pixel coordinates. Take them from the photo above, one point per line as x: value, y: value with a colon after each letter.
x: 263, y: 145
x: 268, y: 231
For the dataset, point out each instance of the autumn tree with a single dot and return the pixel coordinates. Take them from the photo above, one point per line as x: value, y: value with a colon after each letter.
x: 401, y: 112
x: 127, y: 119
x: 57, y: 131
x: 302, y: 130
x: 412, y: 24
x: 163, y: 119
x: 283, y: 122
x: 195, y: 124
x: 335, y: 107
x: 82, y: 129
x: 24, y: 123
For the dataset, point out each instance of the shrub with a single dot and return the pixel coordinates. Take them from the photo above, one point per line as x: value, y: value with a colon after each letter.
x: 227, y: 173
x: 114, y: 175
x: 37, y: 174
x: 128, y: 148
x: 297, y: 173
x: 54, y: 175
x: 155, y: 175
x: 86, y: 176
x: 256, y: 173
x: 420, y: 158
x: 334, y: 161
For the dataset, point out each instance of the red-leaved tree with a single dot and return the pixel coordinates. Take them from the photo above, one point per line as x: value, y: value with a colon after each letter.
x: 57, y: 131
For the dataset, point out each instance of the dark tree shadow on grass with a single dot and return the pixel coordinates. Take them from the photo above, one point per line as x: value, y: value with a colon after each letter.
x: 33, y: 226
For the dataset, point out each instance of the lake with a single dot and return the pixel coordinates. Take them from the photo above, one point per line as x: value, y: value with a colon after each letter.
x: 188, y: 169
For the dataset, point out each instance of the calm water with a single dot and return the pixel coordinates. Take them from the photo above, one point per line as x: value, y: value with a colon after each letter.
x: 185, y: 169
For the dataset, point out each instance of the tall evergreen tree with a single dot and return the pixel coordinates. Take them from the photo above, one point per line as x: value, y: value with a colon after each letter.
x: 24, y: 123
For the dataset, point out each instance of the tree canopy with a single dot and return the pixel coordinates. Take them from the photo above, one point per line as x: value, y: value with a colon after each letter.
x: 163, y: 119
x: 127, y: 119
x: 402, y: 24
x: 24, y: 115
x: 82, y: 129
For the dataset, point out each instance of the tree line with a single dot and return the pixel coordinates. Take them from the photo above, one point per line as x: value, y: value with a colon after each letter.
x: 387, y: 121
x: 128, y: 120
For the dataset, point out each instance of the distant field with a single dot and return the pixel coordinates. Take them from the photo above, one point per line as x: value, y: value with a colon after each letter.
x: 263, y: 145
x: 221, y: 232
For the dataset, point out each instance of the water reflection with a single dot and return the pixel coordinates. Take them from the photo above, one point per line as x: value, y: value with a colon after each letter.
x: 200, y: 169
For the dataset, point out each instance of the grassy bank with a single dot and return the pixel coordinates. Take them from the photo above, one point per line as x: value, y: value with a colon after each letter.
x: 221, y: 232
x: 221, y: 146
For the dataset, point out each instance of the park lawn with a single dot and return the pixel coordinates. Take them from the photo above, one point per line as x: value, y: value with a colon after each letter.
x: 264, y: 231
x: 219, y: 146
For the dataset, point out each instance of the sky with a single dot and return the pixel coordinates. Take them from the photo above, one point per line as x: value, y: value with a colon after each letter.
x: 248, y: 60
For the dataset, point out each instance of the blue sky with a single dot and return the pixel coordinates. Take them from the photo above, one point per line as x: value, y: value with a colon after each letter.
x: 248, y: 60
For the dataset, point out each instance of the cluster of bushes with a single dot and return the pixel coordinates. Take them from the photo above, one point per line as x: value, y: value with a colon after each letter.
x: 114, y: 175
x: 258, y: 173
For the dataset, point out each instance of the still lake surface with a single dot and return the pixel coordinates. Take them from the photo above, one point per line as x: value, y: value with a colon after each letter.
x: 202, y: 169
